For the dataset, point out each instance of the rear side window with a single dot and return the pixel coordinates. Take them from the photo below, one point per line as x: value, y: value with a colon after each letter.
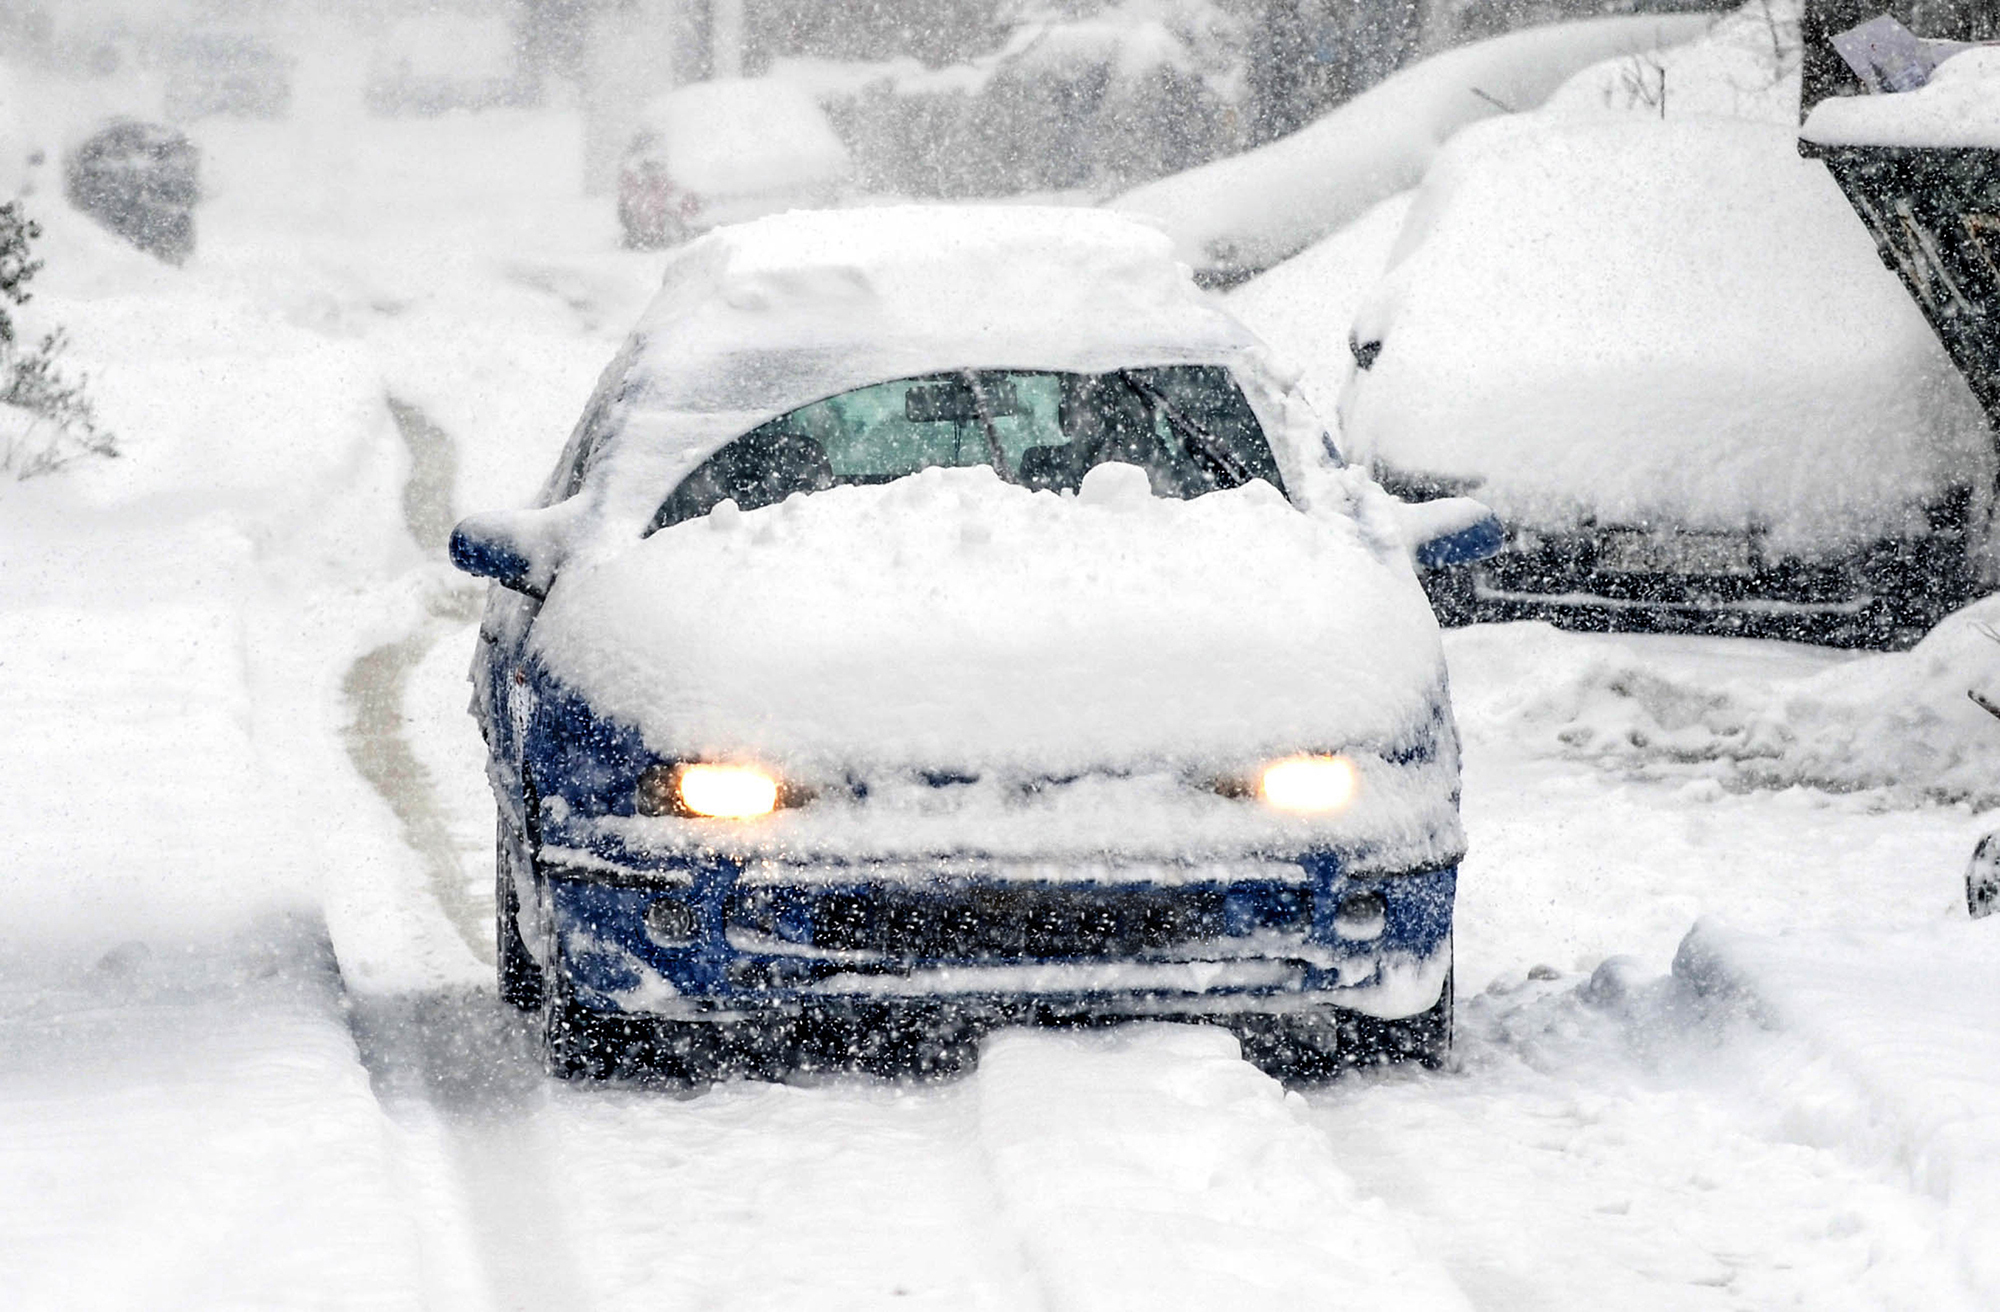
x: 1188, y: 426
x: 592, y: 428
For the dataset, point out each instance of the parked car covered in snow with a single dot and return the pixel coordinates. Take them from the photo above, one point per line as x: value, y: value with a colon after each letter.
x: 725, y: 152
x: 224, y: 72
x: 141, y: 180
x: 944, y: 618
x: 1670, y: 360
x: 436, y: 62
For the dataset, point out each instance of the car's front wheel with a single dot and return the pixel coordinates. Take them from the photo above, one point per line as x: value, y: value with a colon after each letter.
x: 520, y: 975
x: 581, y: 1044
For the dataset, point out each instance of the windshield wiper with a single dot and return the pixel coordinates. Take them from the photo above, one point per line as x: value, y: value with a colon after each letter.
x: 997, y: 453
x: 1200, y: 443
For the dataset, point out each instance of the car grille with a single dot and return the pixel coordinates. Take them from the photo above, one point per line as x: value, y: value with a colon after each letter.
x: 1016, y: 922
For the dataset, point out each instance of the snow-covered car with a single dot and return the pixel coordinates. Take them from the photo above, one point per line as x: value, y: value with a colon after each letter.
x: 142, y: 181
x: 436, y: 62
x: 1671, y: 361
x: 726, y: 151
x: 237, y: 74
x: 949, y: 617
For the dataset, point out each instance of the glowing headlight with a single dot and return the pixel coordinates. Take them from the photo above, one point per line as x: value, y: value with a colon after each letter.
x: 731, y: 792
x: 1308, y: 784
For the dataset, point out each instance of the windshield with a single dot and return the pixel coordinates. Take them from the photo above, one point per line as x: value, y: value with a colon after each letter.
x: 1188, y: 426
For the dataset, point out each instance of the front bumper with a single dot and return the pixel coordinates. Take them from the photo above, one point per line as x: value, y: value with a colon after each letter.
x: 713, y: 937
x: 1886, y: 595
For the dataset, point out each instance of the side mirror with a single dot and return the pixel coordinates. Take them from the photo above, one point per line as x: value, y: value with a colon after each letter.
x: 1449, y: 531
x: 495, y: 545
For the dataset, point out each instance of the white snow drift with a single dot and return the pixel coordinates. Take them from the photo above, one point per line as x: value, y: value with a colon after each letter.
x: 1959, y: 107
x: 1249, y: 211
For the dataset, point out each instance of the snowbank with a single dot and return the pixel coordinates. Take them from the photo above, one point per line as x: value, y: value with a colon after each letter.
x: 1746, y: 65
x: 1659, y: 322
x: 1253, y: 210
x: 1958, y: 107
x: 188, y: 1126
x: 1902, y: 1055
x: 1898, y: 722
x: 744, y: 137
x: 952, y: 620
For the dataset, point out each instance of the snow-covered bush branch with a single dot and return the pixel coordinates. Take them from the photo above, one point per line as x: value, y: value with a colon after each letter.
x: 46, y: 419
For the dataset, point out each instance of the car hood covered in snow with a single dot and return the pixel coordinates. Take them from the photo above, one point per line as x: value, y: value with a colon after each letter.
x: 1085, y: 664
x: 951, y: 621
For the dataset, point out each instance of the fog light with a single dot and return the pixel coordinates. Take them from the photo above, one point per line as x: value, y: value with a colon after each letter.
x: 670, y: 922
x: 1361, y: 916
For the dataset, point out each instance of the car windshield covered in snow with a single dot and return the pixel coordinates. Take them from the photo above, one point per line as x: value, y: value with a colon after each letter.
x: 1188, y: 426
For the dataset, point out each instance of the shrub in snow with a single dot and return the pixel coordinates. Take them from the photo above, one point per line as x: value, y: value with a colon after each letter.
x: 1236, y: 216
x: 1746, y: 66
x: 46, y: 420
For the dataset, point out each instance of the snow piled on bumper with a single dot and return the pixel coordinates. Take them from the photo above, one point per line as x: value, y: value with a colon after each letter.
x: 951, y: 620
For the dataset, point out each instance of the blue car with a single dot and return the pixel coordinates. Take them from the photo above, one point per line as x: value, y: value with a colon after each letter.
x: 947, y: 618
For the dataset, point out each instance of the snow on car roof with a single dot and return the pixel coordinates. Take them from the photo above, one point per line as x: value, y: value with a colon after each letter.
x: 1958, y: 107
x: 743, y: 136
x: 758, y: 319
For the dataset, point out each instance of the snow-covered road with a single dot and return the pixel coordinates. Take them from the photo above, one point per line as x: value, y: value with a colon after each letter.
x: 250, y: 1050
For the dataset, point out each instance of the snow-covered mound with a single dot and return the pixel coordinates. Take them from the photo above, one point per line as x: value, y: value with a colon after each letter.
x: 1900, y: 722
x: 744, y: 137
x: 952, y: 620
x: 1669, y: 321
x: 1252, y: 210
x: 1744, y: 66
x: 1958, y: 107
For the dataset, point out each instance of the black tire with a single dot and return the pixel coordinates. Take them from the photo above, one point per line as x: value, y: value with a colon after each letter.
x: 1308, y: 1047
x: 520, y: 975
x: 581, y: 1044
x: 575, y: 1045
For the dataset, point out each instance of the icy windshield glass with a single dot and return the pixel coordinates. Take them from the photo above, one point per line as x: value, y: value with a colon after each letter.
x: 1188, y: 426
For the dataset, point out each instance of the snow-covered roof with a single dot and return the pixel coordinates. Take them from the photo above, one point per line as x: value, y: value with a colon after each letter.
x: 755, y: 320
x: 744, y: 136
x: 1959, y: 106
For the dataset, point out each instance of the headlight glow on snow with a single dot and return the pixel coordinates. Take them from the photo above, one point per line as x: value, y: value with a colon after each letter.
x: 730, y: 792
x: 1308, y: 784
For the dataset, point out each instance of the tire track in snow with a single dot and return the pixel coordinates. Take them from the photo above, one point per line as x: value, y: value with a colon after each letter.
x: 455, y: 1070
x: 374, y: 686
x: 1154, y: 1168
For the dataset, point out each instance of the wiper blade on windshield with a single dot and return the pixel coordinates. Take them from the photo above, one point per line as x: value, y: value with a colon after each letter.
x: 1200, y: 443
